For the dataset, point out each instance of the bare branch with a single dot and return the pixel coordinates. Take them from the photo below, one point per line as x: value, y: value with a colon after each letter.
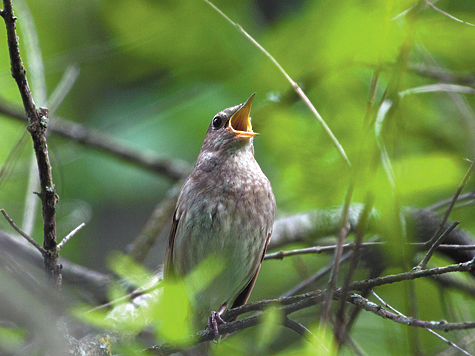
x: 26, y: 236
x: 289, y: 305
x: 344, y: 231
x: 435, y: 245
x: 452, y: 203
x: 450, y: 343
x: 360, y: 231
x: 301, y: 330
x: 71, y: 234
x: 401, y: 319
x: 406, y: 276
x: 447, y: 14
x: 467, y: 196
x: 280, y: 255
x: 37, y: 123
x: 439, y: 87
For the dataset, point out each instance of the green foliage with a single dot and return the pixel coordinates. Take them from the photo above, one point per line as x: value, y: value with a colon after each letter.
x: 268, y: 328
x: 11, y: 338
x: 173, y: 315
x: 129, y: 271
x: 153, y: 74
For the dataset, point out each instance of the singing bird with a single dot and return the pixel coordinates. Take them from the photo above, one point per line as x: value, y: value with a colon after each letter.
x: 225, y: 211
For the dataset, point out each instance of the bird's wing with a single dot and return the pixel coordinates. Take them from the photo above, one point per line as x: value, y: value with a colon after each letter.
x: 168, y: 270
x: 243, y: 296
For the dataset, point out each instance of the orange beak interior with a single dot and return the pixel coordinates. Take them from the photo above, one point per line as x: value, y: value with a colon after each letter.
x: 240, y: 122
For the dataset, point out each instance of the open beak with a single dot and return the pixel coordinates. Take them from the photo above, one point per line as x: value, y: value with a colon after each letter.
x: 240, y: 122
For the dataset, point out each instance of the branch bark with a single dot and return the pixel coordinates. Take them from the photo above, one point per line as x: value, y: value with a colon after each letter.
x: 37, y: 124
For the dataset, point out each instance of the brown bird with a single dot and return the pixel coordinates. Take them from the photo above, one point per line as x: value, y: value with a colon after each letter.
x: 225, y: 213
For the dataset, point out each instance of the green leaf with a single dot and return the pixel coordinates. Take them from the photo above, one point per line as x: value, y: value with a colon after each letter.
x: 127, y: 269
x: 173, y: 314
x: 11, y: 338
x: 269, y: 327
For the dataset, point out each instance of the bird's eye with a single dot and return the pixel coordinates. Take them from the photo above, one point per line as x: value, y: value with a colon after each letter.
x: 217, y: 121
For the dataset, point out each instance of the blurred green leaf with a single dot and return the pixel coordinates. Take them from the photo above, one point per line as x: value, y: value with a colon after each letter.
x: 173, y: 314
x: 11, y: 339
x: 124, y: 266
x: 270, y: 325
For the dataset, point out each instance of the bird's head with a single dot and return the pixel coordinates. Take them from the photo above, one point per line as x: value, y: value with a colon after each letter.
x: 230, y: 129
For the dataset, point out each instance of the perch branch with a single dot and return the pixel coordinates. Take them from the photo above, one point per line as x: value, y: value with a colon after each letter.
x: 289, y: 305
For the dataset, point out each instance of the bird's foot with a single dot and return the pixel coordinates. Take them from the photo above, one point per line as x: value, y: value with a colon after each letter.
x: 215, y: 319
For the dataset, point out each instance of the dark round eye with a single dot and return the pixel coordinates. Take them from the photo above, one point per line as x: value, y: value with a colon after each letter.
x: 217, y: 121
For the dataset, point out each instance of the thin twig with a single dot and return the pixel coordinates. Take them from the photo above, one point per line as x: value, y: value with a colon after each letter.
x: 435, y: 245
x: 71, y: 234
x: 128, y: 297
x: 280, y: 255
x: 372, y: 93
x: 447, y: 14
x: 379, y: 310
x: 439, y: 87
x: 296, y: 87
x: 462, y: 197
x: 450, y: 247
x: 360, y: 230
x: 452, y: 203
x: 17, y: 229
x: 406, y: 276
x: 450, y: 343
x: 345, y: 229
x: 301, y: 330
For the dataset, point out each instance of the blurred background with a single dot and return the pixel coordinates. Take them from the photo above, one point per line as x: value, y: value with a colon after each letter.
x: 152, y: 74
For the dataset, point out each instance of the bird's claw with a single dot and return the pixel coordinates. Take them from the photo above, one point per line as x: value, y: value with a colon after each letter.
x: 213, y: 321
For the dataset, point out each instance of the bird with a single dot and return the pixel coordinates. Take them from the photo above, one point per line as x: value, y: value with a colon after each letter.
x: 225, y: 214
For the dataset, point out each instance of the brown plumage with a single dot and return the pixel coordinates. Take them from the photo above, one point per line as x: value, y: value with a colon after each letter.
x: 224, y: 214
